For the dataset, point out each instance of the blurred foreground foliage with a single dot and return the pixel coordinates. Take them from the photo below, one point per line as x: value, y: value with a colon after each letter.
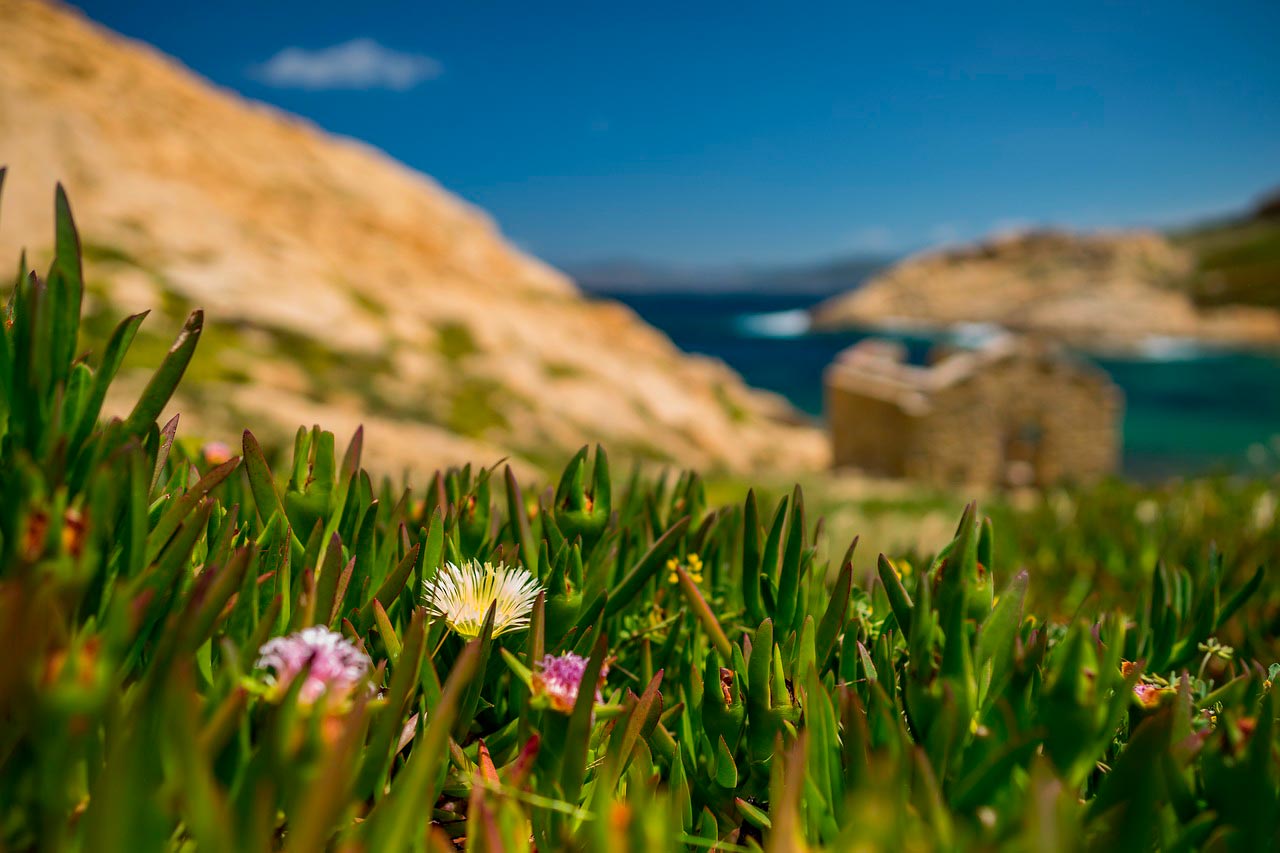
x: 755, y: 697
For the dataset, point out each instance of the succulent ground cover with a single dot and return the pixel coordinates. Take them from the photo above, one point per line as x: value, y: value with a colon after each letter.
x: 203, y: 652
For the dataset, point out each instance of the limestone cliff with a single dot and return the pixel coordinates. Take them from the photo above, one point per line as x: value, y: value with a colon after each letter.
x: 1106, y: 290
x: 339, y: 286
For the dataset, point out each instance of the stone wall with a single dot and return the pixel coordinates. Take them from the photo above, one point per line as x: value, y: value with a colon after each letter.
x: 1019, y: 422
x: 868, y: 433
x: 1026, y: 419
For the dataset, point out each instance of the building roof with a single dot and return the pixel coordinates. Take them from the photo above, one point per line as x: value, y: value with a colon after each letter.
x: 877, y: 368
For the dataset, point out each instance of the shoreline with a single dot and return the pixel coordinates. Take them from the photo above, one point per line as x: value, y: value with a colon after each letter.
x: 1094, y: 343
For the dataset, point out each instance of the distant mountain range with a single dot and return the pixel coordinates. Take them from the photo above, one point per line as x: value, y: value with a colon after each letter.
x: 1237, y: 261
x: 626, y: 275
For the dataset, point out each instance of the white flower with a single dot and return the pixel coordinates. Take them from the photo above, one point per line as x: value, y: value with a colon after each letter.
x: 1147, y: 512
x: 462, y: 595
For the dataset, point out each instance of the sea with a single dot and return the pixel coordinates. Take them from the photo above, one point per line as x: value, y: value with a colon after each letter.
x: 1188, y: 410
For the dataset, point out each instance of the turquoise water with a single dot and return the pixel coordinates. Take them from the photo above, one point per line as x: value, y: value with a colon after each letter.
x: 1187, y: 412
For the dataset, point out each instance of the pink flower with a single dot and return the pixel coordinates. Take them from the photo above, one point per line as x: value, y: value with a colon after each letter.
x: 337, y: 666
x: 1149, y: 695
x: 558, y: 678
x: 215, y: 453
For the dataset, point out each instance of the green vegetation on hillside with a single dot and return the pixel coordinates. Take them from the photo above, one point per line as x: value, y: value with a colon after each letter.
x: 1237, y: 262
x: 203, y: 653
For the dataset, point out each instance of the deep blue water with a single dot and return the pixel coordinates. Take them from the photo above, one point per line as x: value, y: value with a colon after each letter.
x: 1186, y: 411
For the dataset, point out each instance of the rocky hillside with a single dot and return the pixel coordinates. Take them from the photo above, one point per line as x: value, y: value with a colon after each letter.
x: 1108, y: 290
x: 339, y: 287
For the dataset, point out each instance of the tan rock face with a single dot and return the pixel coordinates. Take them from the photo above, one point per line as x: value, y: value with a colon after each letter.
x: 339, y: 286
x: 1108, y: 290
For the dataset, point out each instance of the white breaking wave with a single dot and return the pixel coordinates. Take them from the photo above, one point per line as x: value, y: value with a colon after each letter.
x: 1159, y: 348
x: 975, y: 335
x: 776, y: 324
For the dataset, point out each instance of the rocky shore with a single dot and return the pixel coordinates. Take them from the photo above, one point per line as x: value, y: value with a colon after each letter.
x: 1113, y: 291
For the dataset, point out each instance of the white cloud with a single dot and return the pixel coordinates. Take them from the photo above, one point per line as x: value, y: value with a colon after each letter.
x: 358, y: 64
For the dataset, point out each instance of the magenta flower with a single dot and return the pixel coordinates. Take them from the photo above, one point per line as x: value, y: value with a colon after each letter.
x: 215, y: 453
x: 1149, y: 695
x: 557, y: 678
x: 337, y: 666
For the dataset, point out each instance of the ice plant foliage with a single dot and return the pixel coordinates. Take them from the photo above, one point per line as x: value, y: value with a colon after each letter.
x: 337, y: 667
x: 777, y: 702
x: 558, y: 678
x: 462, y: 596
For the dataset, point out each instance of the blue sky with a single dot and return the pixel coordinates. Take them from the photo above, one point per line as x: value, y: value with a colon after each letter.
x: 717, y: 133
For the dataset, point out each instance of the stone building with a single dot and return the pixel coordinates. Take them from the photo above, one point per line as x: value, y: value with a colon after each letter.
x: 1013, y: 412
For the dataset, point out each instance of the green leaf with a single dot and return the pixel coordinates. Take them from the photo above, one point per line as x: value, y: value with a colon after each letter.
x: 769, y: 561
x: 263, y: 488
x: 1130, y: 795
x: 644, y: 716
x: 327, y: 582
x: 471, y: 697
x: 789, y: 615
x: 698, y: 605
x: 387, y: 631
x: 993, y: 656
x: 112, y: 357
x: 649, y: 564
x: 574, y: 769
x: 726, y: 770
x: 167, y: 434
x: 753, y: 815
x: 390, y: 588
x: 183, y: 506
x: 1240, y: 597
x: 751, y: 560
x: 899, y: 601
x: 955, y: 575
x: 396, y: 819
x: 66, y: 283
x: 385, y: 734
x: 165, y: 380
x: 985, y: 782
x: 326, y: 798
x: 834, y: 617
x: 520, y: 522
x: 216, y: 586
